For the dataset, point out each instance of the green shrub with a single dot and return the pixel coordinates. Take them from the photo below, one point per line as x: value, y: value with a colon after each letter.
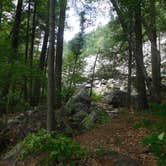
x: 67, y: 92
x: 157, y: 144
x: 103, y: 117
x: 144, y: 123
x: 96, y: 96
x: 58, y: 147
x: 16, y: 102
x: 158, y: 109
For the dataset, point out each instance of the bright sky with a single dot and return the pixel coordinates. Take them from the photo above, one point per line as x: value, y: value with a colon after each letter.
x: 73, y: 21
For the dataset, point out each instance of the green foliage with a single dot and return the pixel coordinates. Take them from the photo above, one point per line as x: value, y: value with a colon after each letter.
x: 103, y: 117
x: 16, y: 102
x: 58, y: 147
x: 144, y: 123
x: 67, y: 92
x: 157, y: 143
x: 158, y: 109
x: 96, y: 96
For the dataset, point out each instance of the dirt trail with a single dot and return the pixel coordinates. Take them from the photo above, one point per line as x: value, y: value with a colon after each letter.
x: 118, y: 135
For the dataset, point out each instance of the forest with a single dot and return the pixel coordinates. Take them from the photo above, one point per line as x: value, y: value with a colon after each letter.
x: 82, y: 83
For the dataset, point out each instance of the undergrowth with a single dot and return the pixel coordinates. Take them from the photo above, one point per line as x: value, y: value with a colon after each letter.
x: 96, y: 96
x: 59, y: 148
x: 156, y: 140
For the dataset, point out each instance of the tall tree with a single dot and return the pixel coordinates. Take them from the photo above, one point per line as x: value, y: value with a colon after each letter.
x: 51, y: 97
x: 31, y: 51
x: 14, y: 45
x: 27, y: 47
x: 59, y: 54
x: 15, y: 31
x: 126, y: 26
x: 33, y: 33
x: 150, y: 26
x: 142, y: 99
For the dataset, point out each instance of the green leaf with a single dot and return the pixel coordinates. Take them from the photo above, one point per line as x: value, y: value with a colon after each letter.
x: 161, y: 136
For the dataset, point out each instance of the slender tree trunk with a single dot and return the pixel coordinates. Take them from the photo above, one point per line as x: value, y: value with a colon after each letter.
x: 59, y: 54
x: 38, y: 84
x: 142, y: 98
x: 33, y: 34
x: 93, y: 74
x: 44, y: 50
x: 15, y: 32
x: 129, y: 40
x: 31, y: 51
x: 51, y: 97
x: 26, y: 49
x: 1, y: 11
x: 129, y: 74
x: 27, y: 32
x: 155, y: 55
x: 72, y: 81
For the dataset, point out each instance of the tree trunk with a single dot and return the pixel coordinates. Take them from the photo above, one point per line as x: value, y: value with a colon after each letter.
x: 1, y: 11
x: 26, y: 50
x: 14, y: 45
x: 31, y: 52
x: 38, y: 84
x: 44, y: 50
x: 51, y: 97
x: 59, y: 54
x: 27, y: 32
x: 13, y: 56
x: 142, y: 98
x: 129, y: 73
x: 155, y: 55
x: 93, y: 73
x: 15, y: 32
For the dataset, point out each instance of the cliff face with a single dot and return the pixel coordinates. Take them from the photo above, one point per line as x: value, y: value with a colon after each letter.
x: 122, y: 66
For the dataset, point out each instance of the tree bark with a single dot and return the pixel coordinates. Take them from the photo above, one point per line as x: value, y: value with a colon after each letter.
x: 130, y: 49
x: 44, y: 50
x: 26, y: 50
x: 31, y: 52
x: 1, y: 11
x: 51, y: 97
x: 59, y: 54
x: 27, y: 32
x: 155, y: 55
x: 142, y: 98
x: 38, y: 84
x: 129, y: 73
x: 33, y: 34
x: 13, y: 56
x: 15, y: 32
x: 93, y: 74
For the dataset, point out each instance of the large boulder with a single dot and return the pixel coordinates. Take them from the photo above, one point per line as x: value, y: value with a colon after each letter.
x: 80, y: 101
x: 119, y: 99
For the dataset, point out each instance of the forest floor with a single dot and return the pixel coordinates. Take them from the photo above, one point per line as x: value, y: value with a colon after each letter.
x: 119, y: 135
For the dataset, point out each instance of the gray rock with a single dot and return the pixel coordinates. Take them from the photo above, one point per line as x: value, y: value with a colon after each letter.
x: 13, y: 153
x: 89, y: 121
x: 80, y: 101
